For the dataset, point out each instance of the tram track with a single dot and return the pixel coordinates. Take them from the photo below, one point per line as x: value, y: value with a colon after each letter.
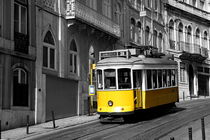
x: 156, y: 124
x: 137, y: 131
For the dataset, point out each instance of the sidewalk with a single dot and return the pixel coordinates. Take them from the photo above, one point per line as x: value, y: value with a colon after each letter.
x: 41, y: 129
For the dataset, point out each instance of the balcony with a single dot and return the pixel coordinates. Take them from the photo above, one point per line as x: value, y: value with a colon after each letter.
x: 189, y: 8
x: 193, y: 52
x: 77, y: 10
x: 21, y: 42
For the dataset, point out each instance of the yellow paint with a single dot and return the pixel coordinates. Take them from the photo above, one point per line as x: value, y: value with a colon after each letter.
x: 121, y: 99
x: 144, y: 99
x: 158, y: 97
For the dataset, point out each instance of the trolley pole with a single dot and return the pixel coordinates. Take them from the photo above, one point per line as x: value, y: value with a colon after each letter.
x: 91, y: 89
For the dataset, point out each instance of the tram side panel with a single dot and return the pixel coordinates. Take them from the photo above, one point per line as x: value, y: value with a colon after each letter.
x: 153, y: 98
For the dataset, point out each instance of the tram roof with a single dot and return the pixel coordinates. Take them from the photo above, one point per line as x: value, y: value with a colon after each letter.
x: 135, y: 61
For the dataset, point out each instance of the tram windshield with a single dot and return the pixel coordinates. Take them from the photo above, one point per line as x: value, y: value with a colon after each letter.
x: 110, y: 79
x: 124, y: 78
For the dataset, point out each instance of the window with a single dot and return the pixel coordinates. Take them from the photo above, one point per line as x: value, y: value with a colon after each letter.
x: 160, y: 39
x: 107, y: 8
x: 169, y: 78
x: 173, y: 78
x: 124, y: 78
x: 154, y: 76
x: 205, y: 40
x: 73, y: 57
x: 156, y: 4
x: 92, y: 4
x: 137, y: 79
x: 171, y: 30
x: 160, y: 79
x: 20, y: 88
x: 182, y: 73
x: 118, y: 14
x: 132, y: 29
x: 202, y: 4
x: 155, y: 38
x: 49, y: 52
x: 99, y: 79
x: 139, y: 32
x: 164, y: 78
x: 147, y: 35
x: 20, y: 17
x: 149, y: 79
x: 110, y: 79
x: 180, y: 36
x: 197, y: 37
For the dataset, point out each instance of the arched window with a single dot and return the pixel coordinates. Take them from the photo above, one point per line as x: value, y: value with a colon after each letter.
x: 180, y: 36
x: 139, y: 32
x: 73, y: 57
x: 188, y: 38
x: 205, y: 39
x: 171, y: 30
x: 49, y: 51
x: 20, y: 88
x: 147, y: 31
x: 132, y: 29
x: 197, y: 41
x: 155, y: 38
x: 197, y: 37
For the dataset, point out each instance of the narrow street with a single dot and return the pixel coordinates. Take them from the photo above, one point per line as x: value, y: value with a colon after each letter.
x: 151, y: 124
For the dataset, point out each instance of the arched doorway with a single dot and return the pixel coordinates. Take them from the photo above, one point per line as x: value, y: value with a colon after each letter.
x: 191, y: 80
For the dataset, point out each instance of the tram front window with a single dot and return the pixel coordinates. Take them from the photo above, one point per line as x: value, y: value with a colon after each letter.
x: 110, y: 79
x: 124, y: 78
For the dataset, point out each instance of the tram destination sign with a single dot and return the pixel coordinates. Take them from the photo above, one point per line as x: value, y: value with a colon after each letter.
x: 116, y: 53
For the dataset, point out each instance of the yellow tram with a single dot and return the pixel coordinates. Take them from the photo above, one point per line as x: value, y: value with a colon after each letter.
x: 127, y: 82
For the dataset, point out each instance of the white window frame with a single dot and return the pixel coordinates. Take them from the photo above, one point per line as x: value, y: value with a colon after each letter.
x: 49, y: 46
x: 20, y: 18
x: 74, y: 54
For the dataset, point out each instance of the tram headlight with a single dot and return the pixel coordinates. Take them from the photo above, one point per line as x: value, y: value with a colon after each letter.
x: 110, y: 103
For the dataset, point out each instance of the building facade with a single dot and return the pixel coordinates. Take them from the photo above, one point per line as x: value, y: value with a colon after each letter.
x: 69, y: 36
x: 17, y: 62
x: 187, y: 25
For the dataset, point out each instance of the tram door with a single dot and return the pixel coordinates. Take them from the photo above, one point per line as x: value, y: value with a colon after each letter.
x: 137, y: 85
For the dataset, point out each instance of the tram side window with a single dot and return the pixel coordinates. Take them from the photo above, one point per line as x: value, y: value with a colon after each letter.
x: 160, y: 84
x: 137, y: 79
x: 149, y: 79
x: 100, y: 80
x: 164, y: 78
x: 110, y: 79
x: 154, y: 73
x: 124, y: 78
x: 173, y: 80
x: 169, y: 77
